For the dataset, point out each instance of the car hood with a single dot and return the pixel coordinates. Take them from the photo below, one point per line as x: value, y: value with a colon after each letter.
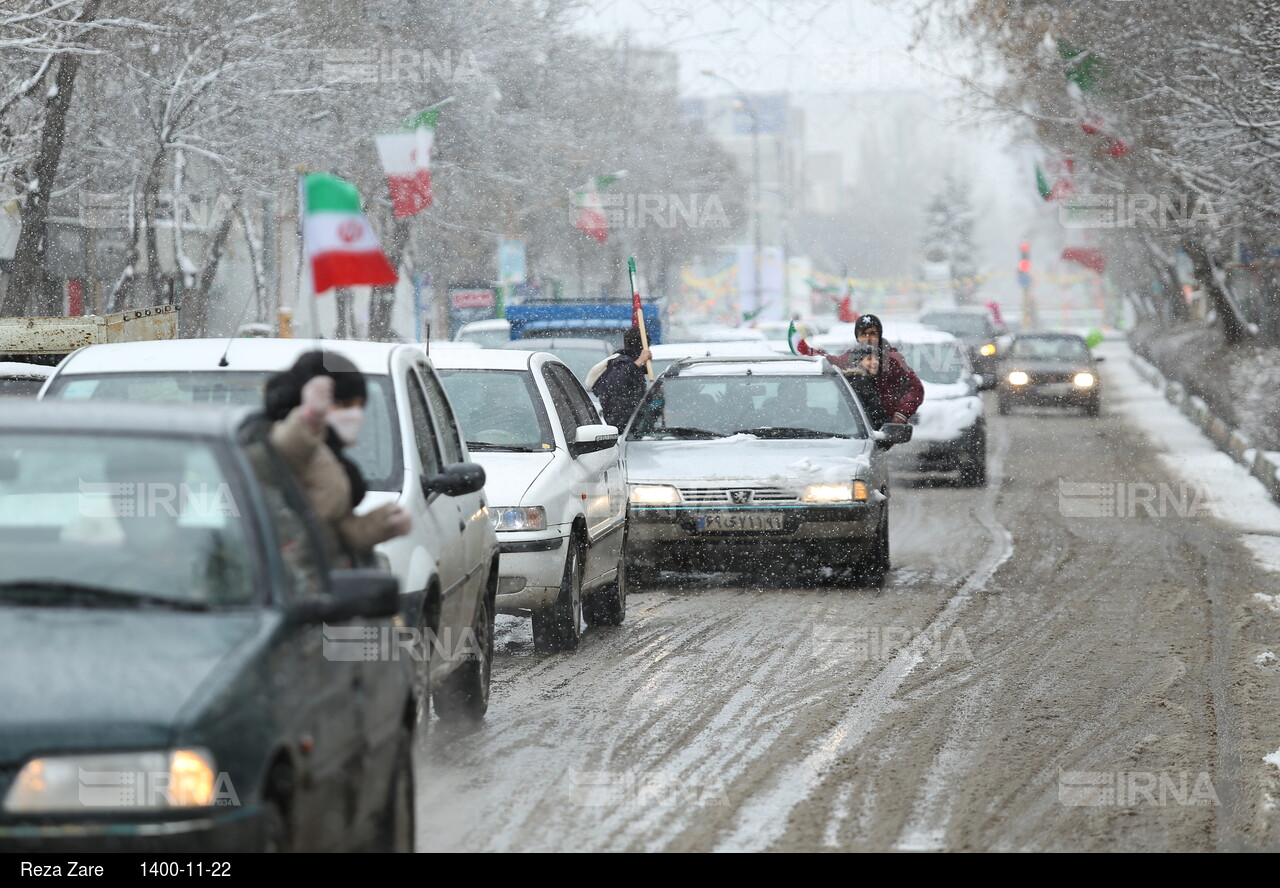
x: 742, y: 459
x: 89, y: 678
x: 509, y: 476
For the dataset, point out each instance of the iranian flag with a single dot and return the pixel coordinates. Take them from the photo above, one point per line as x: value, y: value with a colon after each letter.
x: 337, y: 239
x: 406, y: 159
x: 591, y: 218
x: 797, y: 343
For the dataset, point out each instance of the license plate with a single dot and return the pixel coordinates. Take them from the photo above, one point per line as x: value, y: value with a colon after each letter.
x: 741, y: 521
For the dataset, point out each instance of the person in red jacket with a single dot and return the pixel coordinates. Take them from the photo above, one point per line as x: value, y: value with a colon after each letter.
x: 900, y: 389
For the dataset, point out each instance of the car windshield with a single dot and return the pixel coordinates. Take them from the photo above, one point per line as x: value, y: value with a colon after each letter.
x: 20, y: 387
x: 498, y: 409
x: 1064, y: 347
x: 779, y: 406
x: 377, y: 452
x: 120, y: 520
x: 941, y: 363
x: 963, y: 325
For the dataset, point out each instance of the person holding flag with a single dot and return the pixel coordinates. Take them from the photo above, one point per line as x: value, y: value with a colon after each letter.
x: 898, y: 386
x: 620, y: 380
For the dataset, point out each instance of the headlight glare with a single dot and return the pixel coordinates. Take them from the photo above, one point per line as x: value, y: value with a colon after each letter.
x: 828, y: 493
x: 1018, y: 377
x: 987, y: 350
x: 179, y: 778
x: 512, y: 518
x: 1083, y: 380
x: 655, y: 495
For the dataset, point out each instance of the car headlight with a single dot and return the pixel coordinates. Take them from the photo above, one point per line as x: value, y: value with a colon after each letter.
x: 835, y: 493
x: 1018, y: 377
x: 1083, y: 380
x: 518, y: 517
x: 987, y: 350
x: 177, y: 778
x: 655, y: 495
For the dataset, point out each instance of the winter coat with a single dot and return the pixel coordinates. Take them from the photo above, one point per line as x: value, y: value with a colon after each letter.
x: 900, y: 389
x: 865, y: 387
x: 325, y: 475
x: 620, y: 387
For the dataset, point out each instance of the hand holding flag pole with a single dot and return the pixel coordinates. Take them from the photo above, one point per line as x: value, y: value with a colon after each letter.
x: 637, y: 313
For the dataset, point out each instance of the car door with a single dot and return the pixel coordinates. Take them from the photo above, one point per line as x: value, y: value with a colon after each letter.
x: 442, y: 514
x: 597, y: 476
x: 476, y: 541
x: 317, y: 671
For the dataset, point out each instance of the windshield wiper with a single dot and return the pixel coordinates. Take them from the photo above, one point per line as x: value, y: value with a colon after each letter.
x: 55, y: 592
x: 681, y: 432
x: 788, y: 432
x: 488, y: 445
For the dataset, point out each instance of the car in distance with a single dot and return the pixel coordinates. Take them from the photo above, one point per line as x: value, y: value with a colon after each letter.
x: 950, y: 426
x: 20, y: 379
x: 489, y: 333
x: 1049, y: 369
x: 555, y: 488
x: 578, y: 353
x: 753, y: 460
x: 410, y: 452
x: 979, y: 332
x: 167, y: 652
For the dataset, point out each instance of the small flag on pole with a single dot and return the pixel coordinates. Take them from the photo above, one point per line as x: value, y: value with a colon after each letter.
x: 797, y: 343
x: 342, y: 248
x: 406, y: 159
x: 592, y: 220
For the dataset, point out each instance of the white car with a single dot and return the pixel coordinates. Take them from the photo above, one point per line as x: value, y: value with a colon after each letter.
x: 20, y: 378
x: 556, y: 485
x: 409, y: 451
x: 950, y: 424
x: 491, y: 333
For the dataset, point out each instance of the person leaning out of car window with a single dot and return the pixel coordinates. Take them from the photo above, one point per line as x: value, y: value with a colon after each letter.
x: 901, y: 391
x: 863, y: 373
x: 317, y: 408
x: 621, y: 380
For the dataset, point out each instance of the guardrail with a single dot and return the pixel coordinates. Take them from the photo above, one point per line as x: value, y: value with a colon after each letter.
x: 1262, y: 465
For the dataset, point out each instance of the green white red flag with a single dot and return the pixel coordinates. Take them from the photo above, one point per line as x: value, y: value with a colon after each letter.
x: 406, y: 159
x: 797, y: 343
x: 342, y: 249
x: 592, y: 220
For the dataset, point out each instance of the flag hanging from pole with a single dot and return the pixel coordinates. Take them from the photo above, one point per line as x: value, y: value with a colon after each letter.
x: 592, y: 220
x: 406, y: 160
x: 797, y: 343
x: 341, y: 247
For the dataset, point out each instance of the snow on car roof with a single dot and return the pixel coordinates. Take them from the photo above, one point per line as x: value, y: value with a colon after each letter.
x: 487, y: 359
x: 761, y: 367
x: 22, y: 370
x: 489, y: 324
x: 690, y: 349
x: 175, y: 355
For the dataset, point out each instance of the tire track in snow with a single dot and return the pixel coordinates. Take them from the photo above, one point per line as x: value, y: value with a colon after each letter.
x: 762, y: 820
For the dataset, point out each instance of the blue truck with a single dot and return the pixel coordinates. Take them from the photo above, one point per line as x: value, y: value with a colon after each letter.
x: 606, y: 319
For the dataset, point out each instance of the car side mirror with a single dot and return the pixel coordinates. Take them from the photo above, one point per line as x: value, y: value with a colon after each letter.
x: 352, y: 594
x: 1098, y: 359
x: 593, y: 438
x: 457, y: 479
x: 979, y: 381
x: 893, y: 433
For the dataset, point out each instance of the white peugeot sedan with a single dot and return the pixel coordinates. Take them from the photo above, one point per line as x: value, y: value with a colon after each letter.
x: 409, y: 451
x: 555, y: 484
x: 737, y: 463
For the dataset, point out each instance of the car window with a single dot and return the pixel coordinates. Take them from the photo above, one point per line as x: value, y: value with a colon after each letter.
x: 566, y: 390
x: 766, y: 406
x: 127, y: 514
x: 377, y: 452
x: 1050, y: 347
x: 962, y: 325
x: 445, y: 421
x: 423, y: 430
x: 937, y: 362
x: 299, y: 551
x: 498, y: 409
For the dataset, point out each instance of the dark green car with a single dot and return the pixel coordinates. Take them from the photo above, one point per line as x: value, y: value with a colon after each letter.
x: 180, y: 670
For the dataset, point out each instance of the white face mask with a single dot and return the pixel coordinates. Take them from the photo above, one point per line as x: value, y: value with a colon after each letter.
x: 346, y: 422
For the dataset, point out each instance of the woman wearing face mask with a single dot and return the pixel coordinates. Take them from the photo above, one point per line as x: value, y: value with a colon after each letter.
x: 317, y: 407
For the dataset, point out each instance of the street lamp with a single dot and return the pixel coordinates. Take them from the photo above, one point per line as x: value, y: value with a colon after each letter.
x: 750, y: 108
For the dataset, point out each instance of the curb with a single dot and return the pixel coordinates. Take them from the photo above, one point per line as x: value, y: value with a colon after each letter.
x: 1264, y: 467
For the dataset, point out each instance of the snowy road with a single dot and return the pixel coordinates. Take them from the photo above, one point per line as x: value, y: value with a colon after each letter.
x: 1025, y: 681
